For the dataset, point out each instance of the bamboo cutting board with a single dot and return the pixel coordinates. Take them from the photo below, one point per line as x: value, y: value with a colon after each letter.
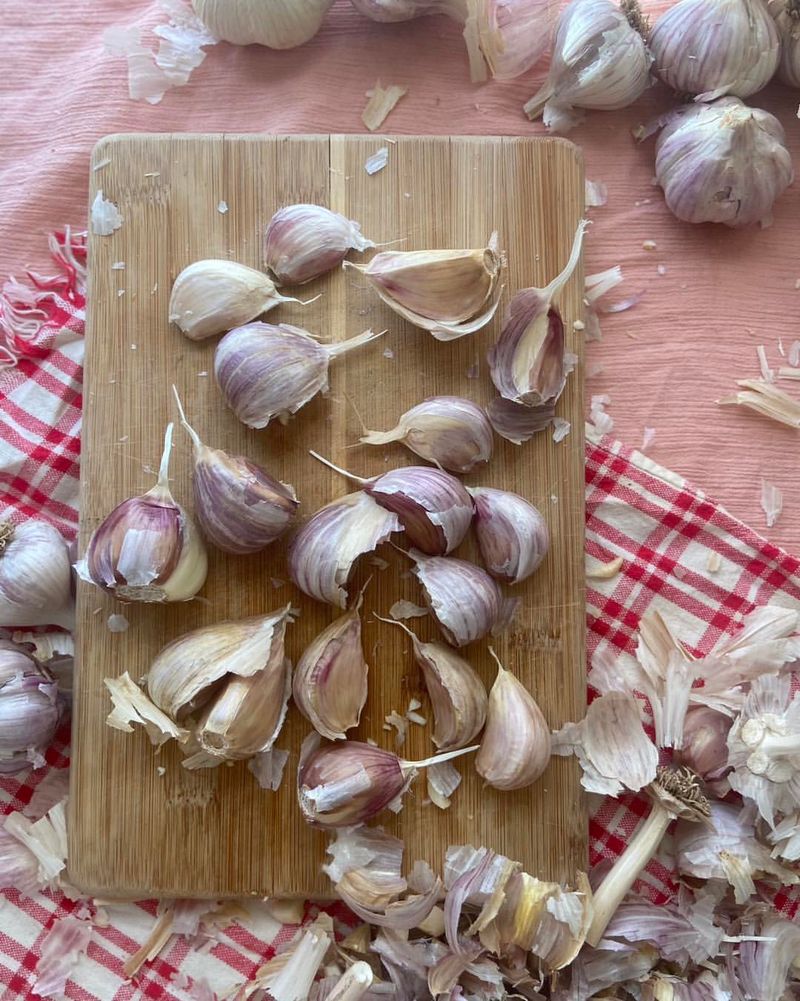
x: 140, y: 824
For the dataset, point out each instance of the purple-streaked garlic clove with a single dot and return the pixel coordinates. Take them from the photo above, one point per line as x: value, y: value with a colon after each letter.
x: 512, y: 534
x: 705, y: 742
x: 464, y: 599
x: 239, y: 506
x: 513, y: 34
x: 322, y: 554
x: 35, y: 576
x: 517, y: 423
x: 303, y: 242
x: 449, y: 431
x: 529, y: 363
x: 30, y: 710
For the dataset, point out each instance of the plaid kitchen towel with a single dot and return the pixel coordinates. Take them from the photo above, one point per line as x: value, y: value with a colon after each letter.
x: 681, y: 553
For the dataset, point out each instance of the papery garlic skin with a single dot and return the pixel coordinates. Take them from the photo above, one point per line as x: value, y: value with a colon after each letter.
x: 278, y: 24
x: 464, y: 599
x: 723, y: 162
x: 30, y: 710
x: 305, y: 241
x: 514, y: 34
x: 449, y: 431
x: 711, y: 49
x: 35, y: 576
x: 787, y: 20
x: 600, y: 61
x: 512, y: 534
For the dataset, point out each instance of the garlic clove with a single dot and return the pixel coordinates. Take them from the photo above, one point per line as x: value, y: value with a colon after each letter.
x: 30, y: 710
x: 787, y: 22
x: 322, y: 554
x: 303, y: 242
x: 512, y: 534
x: 704, y: 748
x: 515, y: 749
x: 513, y: 34
x: 278, y: 24
x: 35, y: 576
x: 450, y: 432
x: 516, y: 422
x: 147, y: 549
x: 464, y: 599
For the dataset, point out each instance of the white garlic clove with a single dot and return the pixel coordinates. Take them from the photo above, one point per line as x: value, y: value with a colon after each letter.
x: 278, y: 24
x: 30, y: 710
x: 449, y: 293
x: 600, y: 61
x: 450, y: 432
x: 464, y: 599
x: 787, y: 21
x: 148, y: 548
x: 512, y: 534
x: 716, y: 47
x: 266, y: 372
x: 529, y: 363
x: 515, y: 749
x: 35, y: 576
x: 322, y: 554
x: 404, y: 10
x: 303, y: 242
x: 517, y: 423
x: 723, y: 162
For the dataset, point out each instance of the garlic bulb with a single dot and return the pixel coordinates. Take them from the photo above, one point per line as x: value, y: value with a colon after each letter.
x: 147, y: 549
x: 787, y: 20
x: 600, y: 61
x: 239, y: 506
x: 35, y: 576
x: 449, y: 293
x: 450, y: 432
x: 716, y: 47
x: 512, y: 534
x: 29, y: 710
x: 267, y: 371
x: 515, y: 749
x: 303, y: 242
x: 723, y: 162
x: 465, y: 601
x: 278, y: 24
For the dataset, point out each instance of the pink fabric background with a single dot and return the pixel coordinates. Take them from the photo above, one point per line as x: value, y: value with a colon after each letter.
x: 665, y: 362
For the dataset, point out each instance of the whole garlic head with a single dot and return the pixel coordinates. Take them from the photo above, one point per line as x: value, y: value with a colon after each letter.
x: 787, y: 20
x: 278, y: 24
x: 723, y: 162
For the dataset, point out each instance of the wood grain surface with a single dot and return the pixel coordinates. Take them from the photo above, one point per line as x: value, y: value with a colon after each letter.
x: 214, y: 833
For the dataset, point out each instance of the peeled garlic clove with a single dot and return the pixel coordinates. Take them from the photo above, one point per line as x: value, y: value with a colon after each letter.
x: 517, y: 423
x: 267, y: 371
x: 600, y: 61
x: 512, y: 534
x: 30, y: 710
x: 278, y: 24
x: 447, y: 292
x: 716, y: 47
x: 148, y: 549
x: 451, y: 432
x: 322, y: 554
x: 189, y: 670
x: 515, y: 748
x: 464, y: 599
x: 787, y: 21
x: 35, y: 576
x: 529, y: 363
x: 723, y: 162
x: 303, y: 242
x: 330, y: 680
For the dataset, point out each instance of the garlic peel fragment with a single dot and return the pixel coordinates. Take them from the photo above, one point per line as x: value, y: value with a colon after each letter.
x: 131, y: 705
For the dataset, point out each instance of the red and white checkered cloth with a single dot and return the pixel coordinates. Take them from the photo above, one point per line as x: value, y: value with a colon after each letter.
x: 664, y: 529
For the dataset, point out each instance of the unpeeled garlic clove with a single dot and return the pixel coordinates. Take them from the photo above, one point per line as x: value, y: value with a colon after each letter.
x: 513, y: 34
x: 529, y: 363
x: 517, y: 423
x: 464, y: 599
x: 278, y: 24
x: 786, y: 14
x: 30, y: 710
x: 322, y: 554
x: 148, y: 548
x: 515, y: 749
x: 450, y: 293
x: 239, y: 506
x: 35, y: 576
x: 512, y: 534
x: 266, y: 372
x: 303, y: 242
x: 450, y: 432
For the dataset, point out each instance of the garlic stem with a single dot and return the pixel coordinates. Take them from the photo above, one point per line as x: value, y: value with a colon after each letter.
x: 437, y: 759
x: 338, y: 469
x: 775, y: 745
x: 162, y: 485
x: 395, y: 622
x: 198, y: 444
x: 341, y: 347
x: 549, y: 293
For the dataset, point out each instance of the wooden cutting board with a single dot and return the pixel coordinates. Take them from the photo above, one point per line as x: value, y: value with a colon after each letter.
x: 213, y: 833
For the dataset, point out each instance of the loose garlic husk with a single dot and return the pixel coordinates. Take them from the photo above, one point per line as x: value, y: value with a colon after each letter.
x: 29, y: 710
x: 35, y: 576
x: 711, y: 48
x: 529, y: 363
x: 513, y: 35
x: 515, y: 749
x: 449, y: 293
x: 723, y: 162
x: 278, y: 24
x: 322, y: 554
x: 267, y: 372
x: 600, y: 62
x: 786, y: 14
x: 238, y: 505
x: 512, y: 534
x: 303, y: 242
x: 330, y: 680
x: 449, y: 431
x: 465, y: 601
x: 147, y: 548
